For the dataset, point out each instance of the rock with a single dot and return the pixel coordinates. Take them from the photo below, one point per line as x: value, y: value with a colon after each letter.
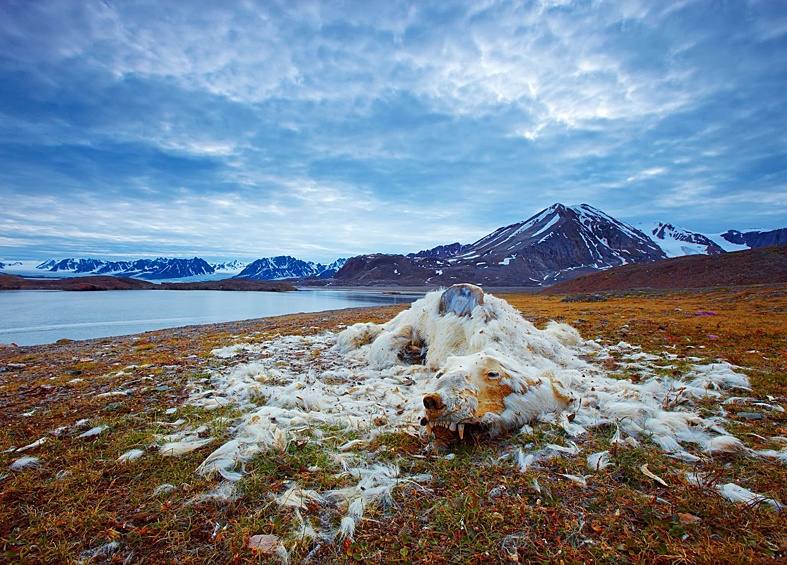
x: 264, y: 543
x: 750, y: 416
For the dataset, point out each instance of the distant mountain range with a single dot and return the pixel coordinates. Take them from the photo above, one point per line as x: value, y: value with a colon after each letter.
x: 160, y: 268
x: 273, y: 268
x: 557, y: 244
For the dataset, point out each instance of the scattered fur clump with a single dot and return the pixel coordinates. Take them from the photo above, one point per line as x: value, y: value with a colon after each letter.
x: 479, y: 363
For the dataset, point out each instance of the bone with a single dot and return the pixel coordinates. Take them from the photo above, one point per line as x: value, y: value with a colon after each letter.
x: 461, y: 299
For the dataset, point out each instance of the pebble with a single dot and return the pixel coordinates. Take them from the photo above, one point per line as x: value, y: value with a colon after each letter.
x: 750, y: 416
x: 264, y: 543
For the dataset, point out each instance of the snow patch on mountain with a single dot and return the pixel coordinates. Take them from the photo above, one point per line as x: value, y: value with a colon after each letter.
x: 677, y: 242
x: 229, y: 267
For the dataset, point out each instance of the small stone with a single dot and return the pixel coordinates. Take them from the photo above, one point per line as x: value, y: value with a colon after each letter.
x: 688, y: 519
x: 750, y: 416
x: 264, y: 543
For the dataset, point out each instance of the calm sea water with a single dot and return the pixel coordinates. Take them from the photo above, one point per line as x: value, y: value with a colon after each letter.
x: 30, y: 317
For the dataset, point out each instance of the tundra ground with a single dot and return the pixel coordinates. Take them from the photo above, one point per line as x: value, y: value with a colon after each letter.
x: 92, y: 401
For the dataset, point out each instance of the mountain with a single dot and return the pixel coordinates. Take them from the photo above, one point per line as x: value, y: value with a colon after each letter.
x: 763, y: 265
x: 676, y: 242
x: 161, y: 268
x: 286, y: 267
x: 756, y: 238
x: 558, y: 243
x: 562, y: 239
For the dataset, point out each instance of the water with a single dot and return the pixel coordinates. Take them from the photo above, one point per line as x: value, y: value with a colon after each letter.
x: 30, y: 317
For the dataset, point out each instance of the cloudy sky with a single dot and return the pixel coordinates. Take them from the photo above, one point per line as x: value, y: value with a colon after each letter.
x: 331, y: 129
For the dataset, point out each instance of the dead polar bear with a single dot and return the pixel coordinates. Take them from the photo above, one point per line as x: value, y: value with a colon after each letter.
x: 492, y: 367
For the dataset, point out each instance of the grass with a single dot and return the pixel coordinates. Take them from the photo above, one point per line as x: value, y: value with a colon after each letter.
x: 477, y: 508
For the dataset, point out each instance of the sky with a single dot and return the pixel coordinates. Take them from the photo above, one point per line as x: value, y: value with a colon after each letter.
x: 240, y: 130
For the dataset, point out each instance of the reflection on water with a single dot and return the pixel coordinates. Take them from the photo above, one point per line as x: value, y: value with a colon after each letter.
x: 29, y: 317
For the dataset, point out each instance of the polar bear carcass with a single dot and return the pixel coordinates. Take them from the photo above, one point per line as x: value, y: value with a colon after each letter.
x: 487, y: 365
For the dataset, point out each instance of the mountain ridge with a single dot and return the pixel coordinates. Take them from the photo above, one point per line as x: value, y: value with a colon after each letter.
x: 163, y: 269
x: 286, y: 267
x: 559, y: 242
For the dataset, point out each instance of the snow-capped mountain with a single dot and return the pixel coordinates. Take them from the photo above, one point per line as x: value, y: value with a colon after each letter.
x: 676, y: 241
x: 565, y: 237
x: 286, y: 267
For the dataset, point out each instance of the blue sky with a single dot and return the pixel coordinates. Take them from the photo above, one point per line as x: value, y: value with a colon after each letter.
x: 331, y: 129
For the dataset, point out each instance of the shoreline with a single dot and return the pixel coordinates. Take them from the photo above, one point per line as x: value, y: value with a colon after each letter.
x: 106, y: 282
x: 95, y: 283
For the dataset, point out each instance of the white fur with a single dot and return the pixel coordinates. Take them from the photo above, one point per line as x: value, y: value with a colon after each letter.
x: 130, y: 456
x: 24, y: 463
x: 737, y: 493
x: 598, y: 461
x: 176, y: 448
x: 37, y: 443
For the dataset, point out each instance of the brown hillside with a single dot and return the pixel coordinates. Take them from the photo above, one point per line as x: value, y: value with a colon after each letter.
x: 13, y: 282
x: 764, y: 265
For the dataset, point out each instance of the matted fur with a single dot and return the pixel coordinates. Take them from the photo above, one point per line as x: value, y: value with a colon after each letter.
x: 467, y: 336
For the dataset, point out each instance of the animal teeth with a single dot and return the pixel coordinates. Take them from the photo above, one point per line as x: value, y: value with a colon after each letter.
x: 452, y: 427
x: 461, y: 428
x: 428, y: 428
